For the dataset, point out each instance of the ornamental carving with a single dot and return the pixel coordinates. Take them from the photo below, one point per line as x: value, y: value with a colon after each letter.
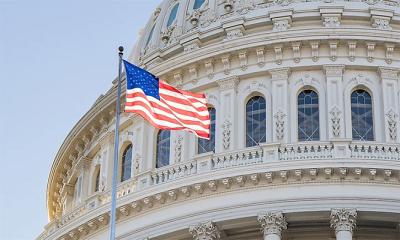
x: 245, y: 6
x: 205, y: 231
x: 331, y: 21
x: 335, y: 120
x: 272, y: 223
x: 226, y: 134
x: 207, y: 17
x: 360, y: 79
x: 392, y: 124
x: 233, y: 33
x: 381, y: 23
x: 283, y: 2
x: 228, y: 83
x: 281, y: 24
x: 314, y: 50
x: 178, y: 148
x: 279, y: 124
x: 343, y: 219
x: 136, y: 164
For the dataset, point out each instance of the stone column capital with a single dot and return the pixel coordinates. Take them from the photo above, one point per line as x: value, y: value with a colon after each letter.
x: 333, y: 70
x: 280, y: 73
x: 389, y: 73
x: 228, y: 83
x: 205, y: 231
x: 272, y: 223
x: 343, y: 219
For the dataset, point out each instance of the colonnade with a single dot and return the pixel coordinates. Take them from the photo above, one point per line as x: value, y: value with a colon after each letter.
x: 343, y: 222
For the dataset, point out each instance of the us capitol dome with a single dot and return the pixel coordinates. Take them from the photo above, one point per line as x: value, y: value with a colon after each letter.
x: 304, y: 100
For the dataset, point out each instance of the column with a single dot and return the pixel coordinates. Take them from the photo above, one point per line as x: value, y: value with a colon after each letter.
x: 334, y: 95
x: 390, y: 103
x: 272, y: 225
x: 227, y: 113
x: 344, y: 222
x: 280, y: 108
x: 205, y: 231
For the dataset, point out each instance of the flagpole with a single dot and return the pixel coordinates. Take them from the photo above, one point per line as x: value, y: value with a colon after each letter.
x: 116, y: 147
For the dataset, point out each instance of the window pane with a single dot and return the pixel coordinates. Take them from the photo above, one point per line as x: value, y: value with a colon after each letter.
x: 308, y: 116
x: 150, y: 35
x: 163, y: 148
x: 198, y: 3
x: 97, y: 180
x: 172, y: 15
x: 205, y: 145
x: 126, y: 163
x: 361, y: 116
x: 255, y: 121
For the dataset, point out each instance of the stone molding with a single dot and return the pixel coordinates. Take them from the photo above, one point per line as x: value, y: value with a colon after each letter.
x: 272, y: 223
x: 343, y: 219
x: 334, y: 70
x: 205, y: 231
x: 228, y: 83
x: 238, y: 183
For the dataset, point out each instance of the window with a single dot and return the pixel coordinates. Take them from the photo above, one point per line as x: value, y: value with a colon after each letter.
x: 163, y: 144
x: 308, y: 116
x: 255, y: 121
x: 205, y: 145
x: 197, y: 4
x: 361, y: 116
x: 172, y: 15
x: 126, y: 163
x: 97, y: 180
x: 78, y: 190
x: 150, y: 35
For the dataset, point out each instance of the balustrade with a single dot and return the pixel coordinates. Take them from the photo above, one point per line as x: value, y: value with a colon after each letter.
x: 374, y: 151
x: 172, y: 172
x: 238, y: 158
x: 305, y: 151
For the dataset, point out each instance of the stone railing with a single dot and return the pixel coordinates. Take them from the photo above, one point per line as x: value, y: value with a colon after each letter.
x: 123, y: 189
x: 237, y: 158
x: 209, y: 162
x: 364, y: 150
x: 77, y: 211
x: 305, y: 151
x: 172, y: 172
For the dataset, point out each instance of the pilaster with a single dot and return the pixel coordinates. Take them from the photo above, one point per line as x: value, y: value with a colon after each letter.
x: 228, y: 113
x: 343, y: 221
x: 205, y: 231
x: 389, y: 77
x: 335, y: 107
x: 272, y: 225
x: 280, y: 104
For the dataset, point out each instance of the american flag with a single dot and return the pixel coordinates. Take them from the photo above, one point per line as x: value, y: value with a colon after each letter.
x: 164, y: 106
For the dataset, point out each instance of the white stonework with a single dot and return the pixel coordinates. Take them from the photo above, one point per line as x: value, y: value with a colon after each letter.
x: 233, y: 50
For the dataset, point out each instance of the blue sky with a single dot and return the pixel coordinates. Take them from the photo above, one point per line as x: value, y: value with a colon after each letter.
x: 56, y: 58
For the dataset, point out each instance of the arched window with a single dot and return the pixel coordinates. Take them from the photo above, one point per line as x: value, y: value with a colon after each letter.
x: 126, y: 163
x: 205, y: 145
x: 172, y: 15
x: 308, y: 116
x: 255, y: 121
x: 150, y: 35
x: 97, y: 180
x: 163, y: 144
x: 197, y: 4
x: 361, y: 116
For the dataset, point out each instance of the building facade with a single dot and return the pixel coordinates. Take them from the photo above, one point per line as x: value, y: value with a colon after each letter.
x: 304, y: 100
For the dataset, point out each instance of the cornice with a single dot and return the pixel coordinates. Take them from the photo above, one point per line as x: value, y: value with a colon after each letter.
x: 142, y: 203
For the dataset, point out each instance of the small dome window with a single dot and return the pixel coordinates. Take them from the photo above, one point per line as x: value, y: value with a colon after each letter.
x: 150, y: 35
x: 172, y: 15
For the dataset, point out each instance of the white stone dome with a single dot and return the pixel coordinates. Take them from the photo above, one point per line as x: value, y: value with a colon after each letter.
x: 305, y: 100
